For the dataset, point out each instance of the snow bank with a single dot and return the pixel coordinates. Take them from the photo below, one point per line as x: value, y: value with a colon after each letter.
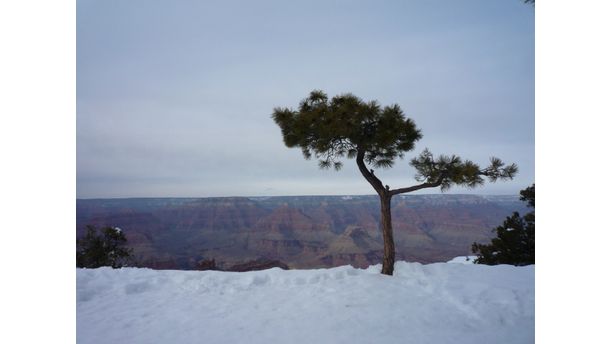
x: 463, y: 260
x: 435, y: 303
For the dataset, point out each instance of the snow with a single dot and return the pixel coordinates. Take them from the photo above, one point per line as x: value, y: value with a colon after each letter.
x: 434, y: 303
x: 463, y: 260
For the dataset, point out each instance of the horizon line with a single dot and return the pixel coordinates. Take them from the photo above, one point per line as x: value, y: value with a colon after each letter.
x: 341, y: 195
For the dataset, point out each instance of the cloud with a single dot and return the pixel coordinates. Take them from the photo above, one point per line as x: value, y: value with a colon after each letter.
x: 174, y: 99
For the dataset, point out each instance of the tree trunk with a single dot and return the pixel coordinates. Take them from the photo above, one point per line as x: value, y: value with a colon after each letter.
x: 387, y: 230
x: 385, y: 213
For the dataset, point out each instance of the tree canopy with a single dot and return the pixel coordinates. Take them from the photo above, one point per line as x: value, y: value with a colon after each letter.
x: 346, y: 126
x: 340, y: 127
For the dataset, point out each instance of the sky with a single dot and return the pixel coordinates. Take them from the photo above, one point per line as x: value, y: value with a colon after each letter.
x: 174, y: 98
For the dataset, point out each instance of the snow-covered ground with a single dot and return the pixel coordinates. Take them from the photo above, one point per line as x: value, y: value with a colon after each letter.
x: 463, y: 260
x: 434, y: 303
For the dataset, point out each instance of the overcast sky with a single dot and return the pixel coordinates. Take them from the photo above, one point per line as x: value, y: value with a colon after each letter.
x: 174, y: 97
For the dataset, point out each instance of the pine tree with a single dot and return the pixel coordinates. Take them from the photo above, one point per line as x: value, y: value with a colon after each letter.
x: 374, y: 137
x: 515, y: 241
x: 106, y: 248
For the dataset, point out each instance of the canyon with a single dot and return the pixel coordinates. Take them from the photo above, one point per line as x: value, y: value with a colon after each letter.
x: 297, y: 232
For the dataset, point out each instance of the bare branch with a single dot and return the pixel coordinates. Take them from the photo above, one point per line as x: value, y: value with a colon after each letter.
x: 415, y: 188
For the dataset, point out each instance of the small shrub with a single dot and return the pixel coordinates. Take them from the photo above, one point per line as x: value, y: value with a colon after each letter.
x: 515, y: 241
x: 105, y: 247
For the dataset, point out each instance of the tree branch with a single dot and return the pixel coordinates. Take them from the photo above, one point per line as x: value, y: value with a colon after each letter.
x: 416, y: 187
x: 369, y: 176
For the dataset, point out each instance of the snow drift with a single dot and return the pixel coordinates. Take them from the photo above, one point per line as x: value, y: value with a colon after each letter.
x: 434, y: 303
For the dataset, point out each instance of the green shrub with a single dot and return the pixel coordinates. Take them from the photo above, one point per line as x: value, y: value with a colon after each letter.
x: 105, y: 247
x: 515, y: 241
